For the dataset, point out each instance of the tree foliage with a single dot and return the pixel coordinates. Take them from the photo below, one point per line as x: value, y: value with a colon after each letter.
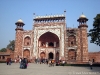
x: 95, y: 32
x: 3, y: 50
x: 11, y: 45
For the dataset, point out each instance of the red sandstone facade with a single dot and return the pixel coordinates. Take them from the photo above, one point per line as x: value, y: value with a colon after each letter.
x: 51, y: 39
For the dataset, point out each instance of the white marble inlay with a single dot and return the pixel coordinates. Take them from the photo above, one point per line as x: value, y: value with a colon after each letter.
x: 58, y: 30
x: 27, y: 35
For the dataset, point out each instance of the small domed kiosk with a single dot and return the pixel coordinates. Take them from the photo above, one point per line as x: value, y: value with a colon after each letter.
x: 19, y: 24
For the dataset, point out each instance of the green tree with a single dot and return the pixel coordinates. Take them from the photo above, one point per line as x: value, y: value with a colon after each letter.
x: 95, y: 32
x: 3, y: 50
x: 11, y: 45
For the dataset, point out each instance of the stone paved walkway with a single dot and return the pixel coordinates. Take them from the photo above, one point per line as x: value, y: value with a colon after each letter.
x: 43, y: 69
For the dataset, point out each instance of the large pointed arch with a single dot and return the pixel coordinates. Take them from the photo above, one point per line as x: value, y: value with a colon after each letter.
x: 49, y: 35
x: 49, y: 38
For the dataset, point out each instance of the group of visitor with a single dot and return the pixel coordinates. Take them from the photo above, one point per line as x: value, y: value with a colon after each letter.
x: 23, y: 63
x: 41, y: 61
x: 51, y: 62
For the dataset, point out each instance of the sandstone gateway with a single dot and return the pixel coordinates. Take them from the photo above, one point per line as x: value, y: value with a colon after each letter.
x: 51, y: 39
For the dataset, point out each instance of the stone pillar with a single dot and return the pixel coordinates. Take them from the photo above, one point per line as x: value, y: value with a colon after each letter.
x: 54, y: 44
x: 47, y: 53
x: 46, y: 44
x: 39, y: 43
x: 54, y: 53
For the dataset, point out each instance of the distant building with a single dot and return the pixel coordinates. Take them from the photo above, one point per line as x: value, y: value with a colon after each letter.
x: 7, y: 54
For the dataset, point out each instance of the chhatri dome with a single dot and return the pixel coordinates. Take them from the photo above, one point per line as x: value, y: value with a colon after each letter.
x: 20, y: 20
x: 82, y: 16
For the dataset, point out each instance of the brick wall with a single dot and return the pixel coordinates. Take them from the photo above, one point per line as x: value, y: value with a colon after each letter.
x: 94, y: 56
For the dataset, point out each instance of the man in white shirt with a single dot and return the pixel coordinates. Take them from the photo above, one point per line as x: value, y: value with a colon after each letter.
x: 90, y: 63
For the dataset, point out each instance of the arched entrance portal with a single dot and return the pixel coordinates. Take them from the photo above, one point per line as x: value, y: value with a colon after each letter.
x: 48, y: 42
x: 50, y: 55
x: 42, y: 55
x: 26, y: 53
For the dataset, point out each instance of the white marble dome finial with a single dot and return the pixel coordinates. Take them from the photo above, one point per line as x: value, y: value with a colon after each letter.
x: 20, y: 20
x: 82, y: 16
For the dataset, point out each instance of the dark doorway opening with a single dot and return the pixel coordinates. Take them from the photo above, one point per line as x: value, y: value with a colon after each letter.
x: 50, y: 55
x: 51, y: 44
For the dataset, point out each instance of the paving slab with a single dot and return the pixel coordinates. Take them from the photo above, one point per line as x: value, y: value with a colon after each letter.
x: 43, y: 69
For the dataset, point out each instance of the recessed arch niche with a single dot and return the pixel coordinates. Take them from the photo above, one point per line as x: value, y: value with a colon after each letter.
x: 27, y: 41
x: 26, y: 53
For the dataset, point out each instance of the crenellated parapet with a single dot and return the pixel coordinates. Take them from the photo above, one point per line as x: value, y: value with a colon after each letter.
x: 49, y: 20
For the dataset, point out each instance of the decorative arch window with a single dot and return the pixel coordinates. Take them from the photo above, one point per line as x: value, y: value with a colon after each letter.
x: 71, y: 40
x: 71, y: 54
x: 27, y: 41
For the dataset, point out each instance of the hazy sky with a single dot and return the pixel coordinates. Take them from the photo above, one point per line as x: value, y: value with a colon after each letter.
x: 12, y: 10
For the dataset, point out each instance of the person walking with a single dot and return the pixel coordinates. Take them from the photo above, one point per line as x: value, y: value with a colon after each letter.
x: 63, y: 63
x: 49, y: 63
x: 91, y: 63
x: 7, y: 61
x: 20, y: 62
